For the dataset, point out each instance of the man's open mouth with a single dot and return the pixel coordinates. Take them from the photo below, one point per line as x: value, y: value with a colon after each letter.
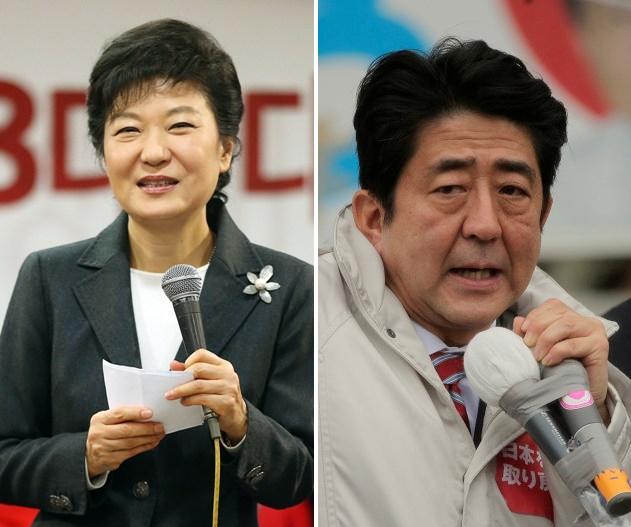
x: 476, y: 274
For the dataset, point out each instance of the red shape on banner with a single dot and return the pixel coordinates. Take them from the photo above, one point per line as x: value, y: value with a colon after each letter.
x: 14, y: 516
x: 521, y: 480
x: 256, y: 104
x: 63, y: 101
x: 11, y: 142
x: 547, y: 28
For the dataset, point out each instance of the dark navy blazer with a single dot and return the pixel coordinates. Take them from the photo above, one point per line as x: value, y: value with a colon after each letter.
x: 71, y: 308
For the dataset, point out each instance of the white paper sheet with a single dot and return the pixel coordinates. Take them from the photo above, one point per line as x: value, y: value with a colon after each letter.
x: 126, y: 385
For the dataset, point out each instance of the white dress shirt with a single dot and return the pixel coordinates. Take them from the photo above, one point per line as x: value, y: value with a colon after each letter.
x: 157, y: 329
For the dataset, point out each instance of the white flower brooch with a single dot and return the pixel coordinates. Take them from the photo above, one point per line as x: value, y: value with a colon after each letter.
x: 259, y: 284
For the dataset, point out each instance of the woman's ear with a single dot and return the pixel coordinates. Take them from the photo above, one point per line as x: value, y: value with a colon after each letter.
x: 226, y: 150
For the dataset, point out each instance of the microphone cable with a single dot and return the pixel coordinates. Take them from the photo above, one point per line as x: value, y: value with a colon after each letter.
x: 182, y: 284
x: 213, y: 426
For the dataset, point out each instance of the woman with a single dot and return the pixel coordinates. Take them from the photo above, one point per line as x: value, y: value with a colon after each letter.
x: 164, y: 107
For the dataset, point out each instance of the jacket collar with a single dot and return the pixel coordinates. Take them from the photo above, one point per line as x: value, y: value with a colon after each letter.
x: 223, y: 304
x: 105, y: 294
x: 360, y: 265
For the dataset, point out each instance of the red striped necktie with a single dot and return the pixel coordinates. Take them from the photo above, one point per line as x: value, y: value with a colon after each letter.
x: 450, y: 368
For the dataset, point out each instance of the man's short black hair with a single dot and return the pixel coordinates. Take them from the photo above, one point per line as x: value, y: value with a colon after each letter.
x: 169, y: 51
x: 405, y: 90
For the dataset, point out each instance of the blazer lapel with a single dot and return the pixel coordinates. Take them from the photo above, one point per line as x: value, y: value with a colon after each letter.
x: 223, y: 304
x: 105, y: 295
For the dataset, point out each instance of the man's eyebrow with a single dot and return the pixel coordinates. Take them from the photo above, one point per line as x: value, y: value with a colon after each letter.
x: 504, y: 165
x: 516, y: 167
x: 448, y: 164
x: 172, y: 111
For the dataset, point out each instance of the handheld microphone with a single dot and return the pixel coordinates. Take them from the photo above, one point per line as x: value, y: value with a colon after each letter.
x: 496, y: 361
x: 585, y: 425
x: 182, y: 285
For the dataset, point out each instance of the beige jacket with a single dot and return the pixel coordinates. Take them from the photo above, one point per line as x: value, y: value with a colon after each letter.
x: 392, y: 449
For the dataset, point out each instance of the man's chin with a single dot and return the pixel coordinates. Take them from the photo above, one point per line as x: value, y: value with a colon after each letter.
x: 475, y: 319
x: 456, y: 327
x: 477, y: 311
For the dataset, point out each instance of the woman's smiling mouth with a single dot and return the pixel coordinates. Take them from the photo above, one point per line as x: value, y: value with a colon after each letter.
x: 157, y: 184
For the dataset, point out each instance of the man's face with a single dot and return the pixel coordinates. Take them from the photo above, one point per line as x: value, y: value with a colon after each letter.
x: 465, y: 235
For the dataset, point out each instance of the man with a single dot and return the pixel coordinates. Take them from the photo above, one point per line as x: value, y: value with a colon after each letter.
x: 457, y: 153
x: 620, y: 352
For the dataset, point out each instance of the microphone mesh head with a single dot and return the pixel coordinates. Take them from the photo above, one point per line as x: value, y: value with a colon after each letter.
x: 495, y: 360
x: 181, y: 281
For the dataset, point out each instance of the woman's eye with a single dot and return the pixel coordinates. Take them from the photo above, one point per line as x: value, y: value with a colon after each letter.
x: 127, y: 130
x: 182, y: 124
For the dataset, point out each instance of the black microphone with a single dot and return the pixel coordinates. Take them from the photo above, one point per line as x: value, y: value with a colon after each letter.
x: 183, y: 285
x: 585, y: 425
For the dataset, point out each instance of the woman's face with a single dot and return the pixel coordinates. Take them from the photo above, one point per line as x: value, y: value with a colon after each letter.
x: 163, y: 153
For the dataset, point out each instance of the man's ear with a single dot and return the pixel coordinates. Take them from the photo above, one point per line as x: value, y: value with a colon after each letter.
x: 369, y: 216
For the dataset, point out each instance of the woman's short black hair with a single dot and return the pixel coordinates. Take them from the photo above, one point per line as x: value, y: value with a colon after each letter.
x: 171, y: 51
x: 404, y: 90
